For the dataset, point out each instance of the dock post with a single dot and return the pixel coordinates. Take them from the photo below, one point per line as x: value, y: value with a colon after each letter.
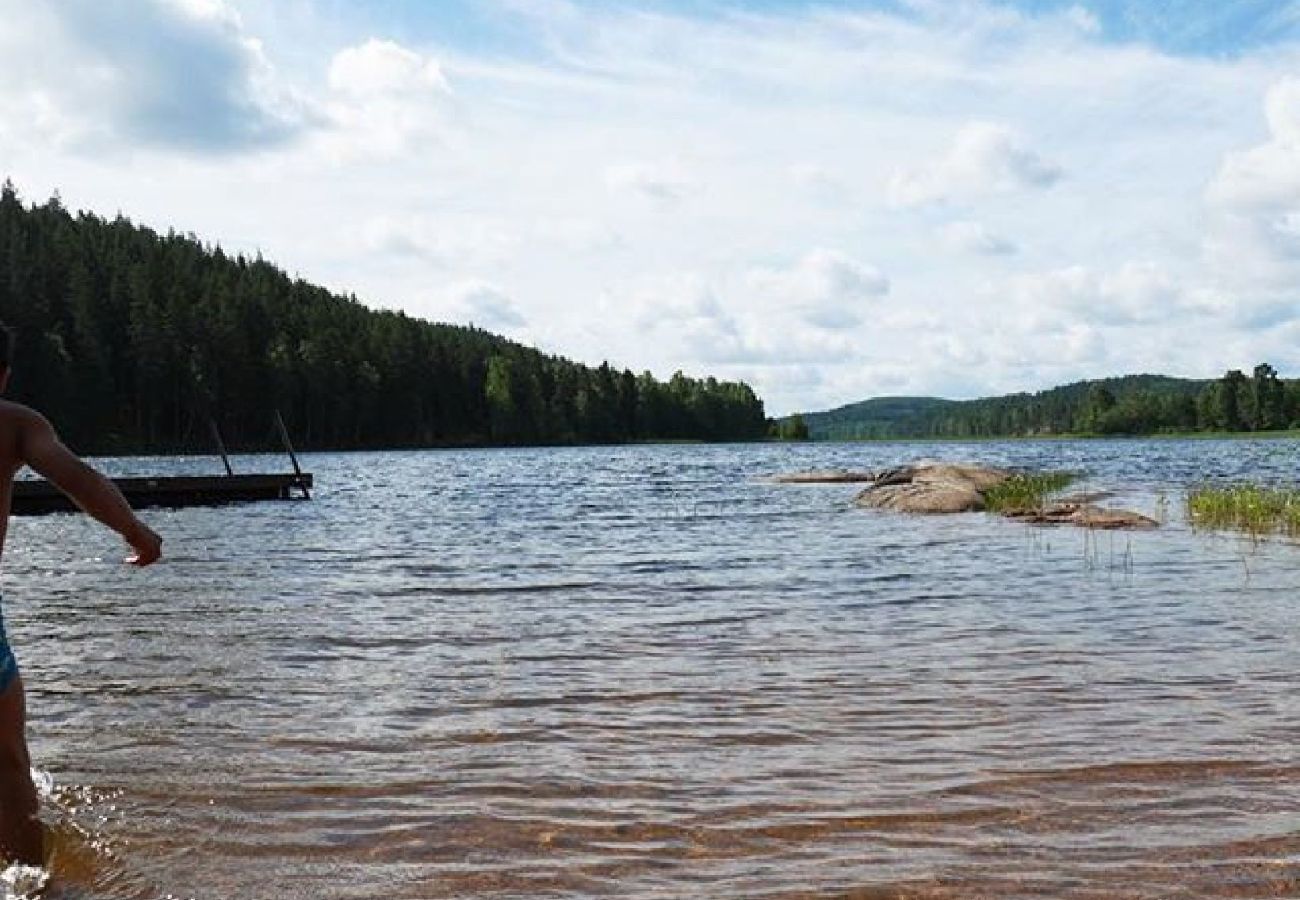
x: 221, y: 445
x: 288, y: 445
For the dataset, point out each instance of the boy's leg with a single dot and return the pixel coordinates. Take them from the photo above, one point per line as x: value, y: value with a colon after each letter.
x: 22, y: 837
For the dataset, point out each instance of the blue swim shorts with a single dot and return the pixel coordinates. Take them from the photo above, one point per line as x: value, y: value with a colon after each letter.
x: 8, y: 665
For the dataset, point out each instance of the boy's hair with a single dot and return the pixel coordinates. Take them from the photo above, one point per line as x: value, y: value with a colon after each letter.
x: 6, y: 345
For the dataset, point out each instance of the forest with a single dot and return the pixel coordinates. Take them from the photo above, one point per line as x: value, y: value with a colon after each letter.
x: 1129, y: 405
x: 132, y: 341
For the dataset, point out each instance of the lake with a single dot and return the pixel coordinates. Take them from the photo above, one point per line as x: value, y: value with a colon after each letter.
x: 642, y: 672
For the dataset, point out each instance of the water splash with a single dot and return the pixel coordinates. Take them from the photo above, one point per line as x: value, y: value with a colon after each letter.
x: 44, y: 783
x: 78, y: 856
x: 83, y: 859
x: 21, y: 882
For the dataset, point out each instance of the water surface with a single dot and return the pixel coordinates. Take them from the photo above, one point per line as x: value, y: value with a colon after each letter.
x: 642, y: 672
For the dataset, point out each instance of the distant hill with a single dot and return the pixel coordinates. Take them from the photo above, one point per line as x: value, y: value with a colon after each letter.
x: 879, y: 417
x: 1132, y: 404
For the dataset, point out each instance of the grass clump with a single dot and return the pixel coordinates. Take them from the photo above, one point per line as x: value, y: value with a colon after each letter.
x: 1257, y: 510
x: 1025, y: 491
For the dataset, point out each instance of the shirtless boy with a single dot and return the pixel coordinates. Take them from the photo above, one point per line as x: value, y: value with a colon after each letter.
x: 27, y: 439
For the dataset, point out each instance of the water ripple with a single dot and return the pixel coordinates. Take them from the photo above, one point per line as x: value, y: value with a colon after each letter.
x: 643, y: 672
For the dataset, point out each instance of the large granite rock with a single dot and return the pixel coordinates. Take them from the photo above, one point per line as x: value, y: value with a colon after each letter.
x: 932, y: 488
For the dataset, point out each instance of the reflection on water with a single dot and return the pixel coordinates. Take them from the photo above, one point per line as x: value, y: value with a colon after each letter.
x: 642, y: 672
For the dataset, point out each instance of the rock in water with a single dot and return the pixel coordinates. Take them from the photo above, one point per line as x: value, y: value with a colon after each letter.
x: 1085, y: 515
x: 932, y: 488
x: 916, y: 498
x: 951, y: 488
x: 823, y: 476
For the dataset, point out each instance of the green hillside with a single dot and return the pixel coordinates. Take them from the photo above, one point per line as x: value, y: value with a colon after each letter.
x: 130, y: 341
x: 879, y: 417
x: 1132, y: 404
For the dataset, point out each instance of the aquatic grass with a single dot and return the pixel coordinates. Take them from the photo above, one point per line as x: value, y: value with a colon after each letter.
x: 1257, y: 510
x: 1025, y: 491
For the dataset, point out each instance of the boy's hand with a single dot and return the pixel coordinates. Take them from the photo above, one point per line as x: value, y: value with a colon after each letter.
x: 147, y: 545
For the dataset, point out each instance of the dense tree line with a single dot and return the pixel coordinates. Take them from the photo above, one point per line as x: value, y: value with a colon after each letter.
x: 791, y: 428
x: 131, y: 341
x: 1134, y: 404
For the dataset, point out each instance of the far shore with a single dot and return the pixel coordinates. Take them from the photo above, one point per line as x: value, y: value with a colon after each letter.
x: 1287, y: 434
x: 1290, y: 434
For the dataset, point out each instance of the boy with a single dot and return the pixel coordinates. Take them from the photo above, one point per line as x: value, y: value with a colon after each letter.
x: 26, y: 438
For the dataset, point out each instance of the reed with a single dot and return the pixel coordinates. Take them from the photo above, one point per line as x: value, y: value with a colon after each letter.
x: 1259, y: 511
x: 1025, y: 491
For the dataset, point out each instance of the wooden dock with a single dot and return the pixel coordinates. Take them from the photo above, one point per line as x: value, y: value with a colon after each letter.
x: 37, y: 496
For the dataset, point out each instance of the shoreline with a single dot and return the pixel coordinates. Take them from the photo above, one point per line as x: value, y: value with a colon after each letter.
x: 1289, y: 434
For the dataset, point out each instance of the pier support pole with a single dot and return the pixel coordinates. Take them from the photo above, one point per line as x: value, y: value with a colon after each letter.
x: 221, y: 445
x: 288, y: 445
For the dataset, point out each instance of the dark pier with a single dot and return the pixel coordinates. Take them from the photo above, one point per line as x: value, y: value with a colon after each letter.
x: 36, y: 497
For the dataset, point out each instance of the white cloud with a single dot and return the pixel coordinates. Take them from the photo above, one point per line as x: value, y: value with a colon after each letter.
x: 482, y: 304
x: 955, y: 349
x: 464, y: 241
x: 1135, y: 293
x: 752, y: 322
x: 1266, y: 177
x: 1083, y: 19
x: 985, y: 158
x: 1070, y: 347
x: 826, y: 289
x: 386, y: 101
x: 479, y: 241
x: 684, y: 310
x: 661, y: 182
x: 383, y: 68
x: 823, y: 185
x: 975, y: 237
x: 180, y: 74
x: 1254, y: 202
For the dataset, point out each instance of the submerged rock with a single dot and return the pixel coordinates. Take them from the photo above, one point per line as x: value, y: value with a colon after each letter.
x: 1084, y: 515
x: 1084, y: 497
x: 823, y: 476
x: 932, y: 488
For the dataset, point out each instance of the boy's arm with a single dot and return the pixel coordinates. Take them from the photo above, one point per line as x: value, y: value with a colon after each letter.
x: 41, y: 449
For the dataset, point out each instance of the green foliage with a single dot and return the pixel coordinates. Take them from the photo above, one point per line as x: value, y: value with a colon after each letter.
x: 129, y: 340
x: 879, y: 417
x: 1134, y: 404
x: 1097, y: 409
x: 1025, y: 491
x: 1258, y: 511
x: 793, y: 428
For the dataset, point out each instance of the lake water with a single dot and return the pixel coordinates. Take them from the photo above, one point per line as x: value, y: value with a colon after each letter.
x: 642, y: 672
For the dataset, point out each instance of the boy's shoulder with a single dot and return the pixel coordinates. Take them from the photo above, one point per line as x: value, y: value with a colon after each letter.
x: 16, y: 422
x: 15, y: 413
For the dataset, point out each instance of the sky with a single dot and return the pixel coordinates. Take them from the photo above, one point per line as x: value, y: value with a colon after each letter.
x: 830, y: 200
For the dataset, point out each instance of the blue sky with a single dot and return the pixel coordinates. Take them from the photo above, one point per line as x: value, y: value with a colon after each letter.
x: 832, y: 200
x: 1191, y: 27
